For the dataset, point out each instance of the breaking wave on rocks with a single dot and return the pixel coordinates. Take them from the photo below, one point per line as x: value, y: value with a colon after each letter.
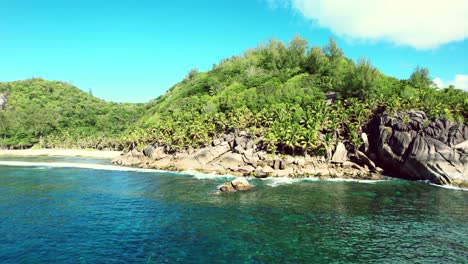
x: 450, y: 187
x: 278, y: 181
x: 270, y: 181
x: 208, y: 176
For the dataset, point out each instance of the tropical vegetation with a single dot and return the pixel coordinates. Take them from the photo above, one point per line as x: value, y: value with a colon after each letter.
x: 292, y: 98
x: 56, y: 114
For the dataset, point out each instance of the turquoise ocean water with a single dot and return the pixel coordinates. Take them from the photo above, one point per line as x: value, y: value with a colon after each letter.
x: 65, y: 214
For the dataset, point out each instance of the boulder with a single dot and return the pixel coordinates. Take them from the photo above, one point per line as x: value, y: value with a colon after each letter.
x: 259, y: 173
x: 242, y: 133
x: 190, y: 150
x: 308, y: 170
x: 250, y: 144
x: 245, y: 170
x: 239, y: 149
x: 287, y: 172
x: 276, y: 164
x: 207, y: 155
x: 132, y: 158
x: 363, y: 159
x: 227, y: 187
x: 340, y: 154
x: 263, y: 171
x: 249, y: 155
x: 420, y: 149
x: 153, y: 152
x: 231, y: 160
x: 241, y: 184
x: 261, y: 155
x: 216, y: 142
x: 350, y: 167
x: 299, y: 161
x: 189, y: 163
x: 462, y: 146
x: 322, y: 169
x: 228, y: 137
x: 238, y: 184
x: 148, y: 150
x: 241, y: 141
x: 365, y: 143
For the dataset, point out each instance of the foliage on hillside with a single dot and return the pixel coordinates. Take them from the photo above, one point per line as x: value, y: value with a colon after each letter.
x: 56, y: 114
x: 277, y: 93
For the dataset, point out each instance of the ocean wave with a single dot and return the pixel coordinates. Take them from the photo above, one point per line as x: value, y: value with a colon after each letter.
x: 207, y: 176
x: 110, y: 167
x: 354, y: 180
x: 278, y: 181
x: 450, y: 187
x: 47, y: 165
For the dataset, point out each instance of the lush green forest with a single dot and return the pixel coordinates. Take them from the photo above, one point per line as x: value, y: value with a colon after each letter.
x: 276, y: 93
x: 56, y: 114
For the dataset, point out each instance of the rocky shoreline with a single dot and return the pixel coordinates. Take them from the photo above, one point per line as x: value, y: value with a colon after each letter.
x: 406, y: 145
x: 239, y: 155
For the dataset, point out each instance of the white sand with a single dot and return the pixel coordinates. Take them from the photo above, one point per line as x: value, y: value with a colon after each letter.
x: 61, y: 152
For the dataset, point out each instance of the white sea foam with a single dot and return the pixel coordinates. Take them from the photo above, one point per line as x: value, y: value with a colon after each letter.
x: 450, y: 187
x: 208, y: 176
x: 47, y: 165
x: 277, y: 181
x: 353, y: 180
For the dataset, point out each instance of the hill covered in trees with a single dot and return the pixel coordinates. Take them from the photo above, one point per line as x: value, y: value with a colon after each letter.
x: 276, y: 93
x: 56, y: 114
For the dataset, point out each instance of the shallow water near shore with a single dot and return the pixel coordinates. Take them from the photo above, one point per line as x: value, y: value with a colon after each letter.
x: 69, y: 214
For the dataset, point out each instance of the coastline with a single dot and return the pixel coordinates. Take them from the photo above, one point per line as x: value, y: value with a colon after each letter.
x: 221, y: 159
x: 101, y: 154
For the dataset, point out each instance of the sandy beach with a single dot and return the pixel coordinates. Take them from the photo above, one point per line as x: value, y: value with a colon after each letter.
x: 61, y: 152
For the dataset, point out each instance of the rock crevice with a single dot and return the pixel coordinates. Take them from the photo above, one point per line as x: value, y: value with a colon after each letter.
x: 411, y: 146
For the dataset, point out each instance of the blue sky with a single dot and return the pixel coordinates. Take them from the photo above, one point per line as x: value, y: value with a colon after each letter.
x: 133, y: 51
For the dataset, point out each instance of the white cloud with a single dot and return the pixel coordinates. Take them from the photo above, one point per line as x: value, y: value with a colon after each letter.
x: 460, y: 82
x: 422, y: 24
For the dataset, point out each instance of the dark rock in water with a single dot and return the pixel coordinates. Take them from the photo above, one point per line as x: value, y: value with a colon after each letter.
x: 238, y: 184
x: 227, y: 187
x: 241, y: 184
x: 420, y: 149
